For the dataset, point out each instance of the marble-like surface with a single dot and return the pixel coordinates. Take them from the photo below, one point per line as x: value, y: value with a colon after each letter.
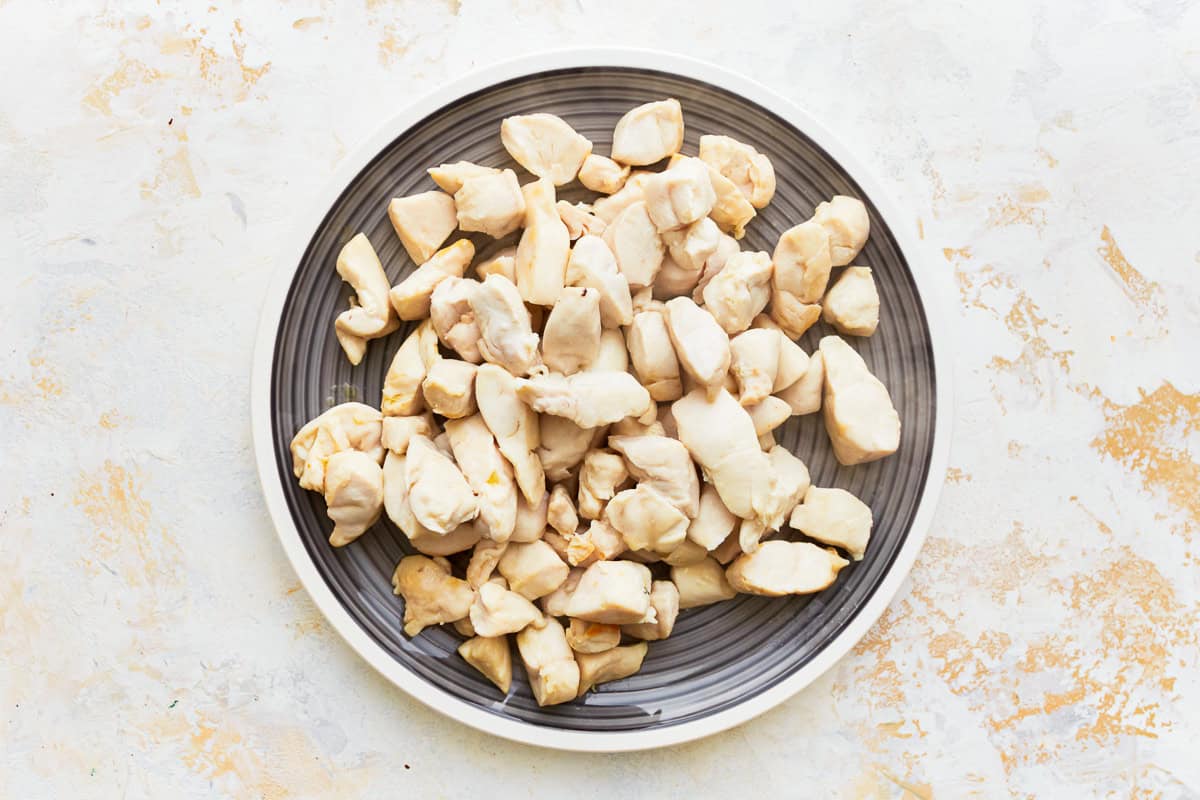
x: 155, y: 643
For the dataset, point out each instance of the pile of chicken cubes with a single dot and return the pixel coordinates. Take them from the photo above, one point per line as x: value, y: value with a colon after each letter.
x: 548, y: 415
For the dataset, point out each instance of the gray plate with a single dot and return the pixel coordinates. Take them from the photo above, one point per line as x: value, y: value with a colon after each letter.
x: 721, y: 655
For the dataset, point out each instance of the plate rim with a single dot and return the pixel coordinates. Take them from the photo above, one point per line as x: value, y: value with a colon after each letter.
x: 284, y: 269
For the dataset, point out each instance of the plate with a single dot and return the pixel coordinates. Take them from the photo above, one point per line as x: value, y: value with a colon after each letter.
x: 727, y: 662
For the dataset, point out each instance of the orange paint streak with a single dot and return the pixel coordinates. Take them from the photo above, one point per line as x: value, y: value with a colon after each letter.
x: 1145, y: 294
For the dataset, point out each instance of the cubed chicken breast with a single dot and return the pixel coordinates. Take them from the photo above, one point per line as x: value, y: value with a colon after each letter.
x: 680, y: 195
x: 347, y: 426
x: 713, y: 522
x: 602, y: 472
x: 646, y: 520
x: 544, y: 248
x: 739, y: 291
x: 563, y: 445
x: 411, y: 297
x: 607, y: 208
x: 439, y: 495
x: 571, y: 338
x: 504, y: 262
x: 491, y: 203
x: 579, y: 219
x: 768, y: 414
x: 610, y: 665
x: 402, y: 383
x: 432, y: 596
x: 491, y: 657
x: 693, y: 245
x: 701, y: 345
x: 487, y: 472
x: 792, y: 315
x: 545, y: 145
x: 726, y: 247
x: 636, y: 245
x: 731, y: 210
x: 598, y: 542
x: 555, y: 603
x: 802, y: 261
x: 747, y: 168
x: 648, y: 133
x: 436, y: 545
x: 514, y: 425
x: 779, y: 568
x: 531, y: 518
x: 485, y: 556
x: 353, y: 494
x: 506, y: 337
x: 423, y: 222
x: 790, y: 482
x: 561, y: 514
x: 397, y: 431
x: 804, y: 396
x: 848, y: 225
x: 450, y: 177
x: 532, y: 569
x: 664, y: 599
x: 593, y: 266
x: 836, y: 517
x: 452, y: 317
x: 370, y: 315
x: 754, y: 363
x: 589, y: 399
x: 549, y: 662
x: 663, y: 464
x: 859, y: 416
x: 498, y: 611
x: 613, y: 592
x: 592, y: 637
x: 851, y: 305
x: 653, y: 356
x: 701, y: 584
x: 449, y: 388
x: 603, y: 175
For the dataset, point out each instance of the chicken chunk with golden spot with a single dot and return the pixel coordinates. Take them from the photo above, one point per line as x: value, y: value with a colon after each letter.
x: 748, y: 169
x: 506, y: 336
x: 452, y: 318
x: 423, y: 222
x: 648, y: 133
x: 549, y: 662
x: 487, y: 472
x: 803, y: 259
x: 602, y: 472
x: 411, y: 297
x: 402, y: 396
x: 490, y: 203
x: 348, y: 426
x: 780, y: 568
x: 561, y: 514
x: 646, y: 520
x: 599, y: 542
x: 653, y: 356
x: 636, y: 245
x: 835, y: 517
x: 532, y: 569
x: 701, y: 584
x: 851, y: 305
x: 544, y: 248
x: 571, y: 337
x: 664, y: 599
x: 701, y: 345
x: 438, y: 494
x: 613, y: 592
x: 859, y: 415
x: 353, y: 495
x: 498, y: 611
x: 370, y: 315
x: 592, y: 637
x: 603, y: 175
x: 432, y: 596
x: 514, y: 425
x: 588, y: 399
x: 739, y: 291
x: 449, y: 388
x: 609, y: 665
x: 663, y: 464
x: 450, y: 177
x: 545, y: 145
x: 848, y: 224
x: 491, y: 657
x: 579, y: 219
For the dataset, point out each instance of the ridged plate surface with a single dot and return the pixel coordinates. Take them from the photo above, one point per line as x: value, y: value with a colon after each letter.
x: 720, y: 655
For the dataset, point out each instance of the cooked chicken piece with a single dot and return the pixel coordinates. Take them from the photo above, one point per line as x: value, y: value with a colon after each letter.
x: 344, y: 427
x: 613, y: 357
x: 491, y: 657
x: 643, y: 299
x: 664, y: 599
x: 395, y: 499
x: 692, y: 246
x: 532, y: 569
x: 713, y: 522
x: 767, y: 441
x: 593, y: 266
x: 793, y: 364
x: 747, y: 168
x: 491, y: 203
x: 589, y: 399
x: 600, y: 542
x: 545, y: 145
x: 662, y: 464
x: 793, y: 316
x: 680, y: 196
x: 515, y: 426
x: 653, y: 356
x: 369, y: 316
x: 609, y: 665
x: 561, y: 514
x: 846, y: 220
x: 484, y: 558
x: 412, y: 295
x: 686, y: 554
x: 700, y: 344
x: 436, y: 545
x: 555, y: 603
x: 672, y: 281
x: 423, y: 222
x: 353, y: 494
x: 701, y: 584
x: 754, y: 362
x: 727, y: 550
x: 608, y: 208
x: 544, y: 248
x: 648, y: 133
x: 504, y: 262
x: 506, y: 337
x: 790, y: 484
x: 739, y: 291
x: 432, y: 596
x: 667, y: 421
x: 487, y: 473
x: 592, y: 637
x: 449, y: 388
x: 450, y: 177
x: 463, y: 627
x: 452, y: 318
x: 804, y: 396
x: 802, y: 262
x: 852, y: 305
x: 646, y: 520
x: 603, y: 175
x: 720, y: 435
x: 613, y: 592
x: 579, y: 219
x: 531, y: 519
x: 438, y: 494
x: 636, y: 245
x: 836, y: 517
x: 402, y: 384
x: 571, y: 338
x: 859, y: 416
x: 726, y: 247
x: 769, y: 414
x: 731, y: 211
x: 549, y: 662
x: 602, y: 472
x: 397, y: 431
x: 563, y: 445
x: 632, y: 426
x: 498, y: 611
x: 780, y: 568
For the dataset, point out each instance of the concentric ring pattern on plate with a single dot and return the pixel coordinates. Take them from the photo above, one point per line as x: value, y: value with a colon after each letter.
x: 720, y: 655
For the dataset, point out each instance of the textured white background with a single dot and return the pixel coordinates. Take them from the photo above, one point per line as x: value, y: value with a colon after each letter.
x: 153, y: 641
